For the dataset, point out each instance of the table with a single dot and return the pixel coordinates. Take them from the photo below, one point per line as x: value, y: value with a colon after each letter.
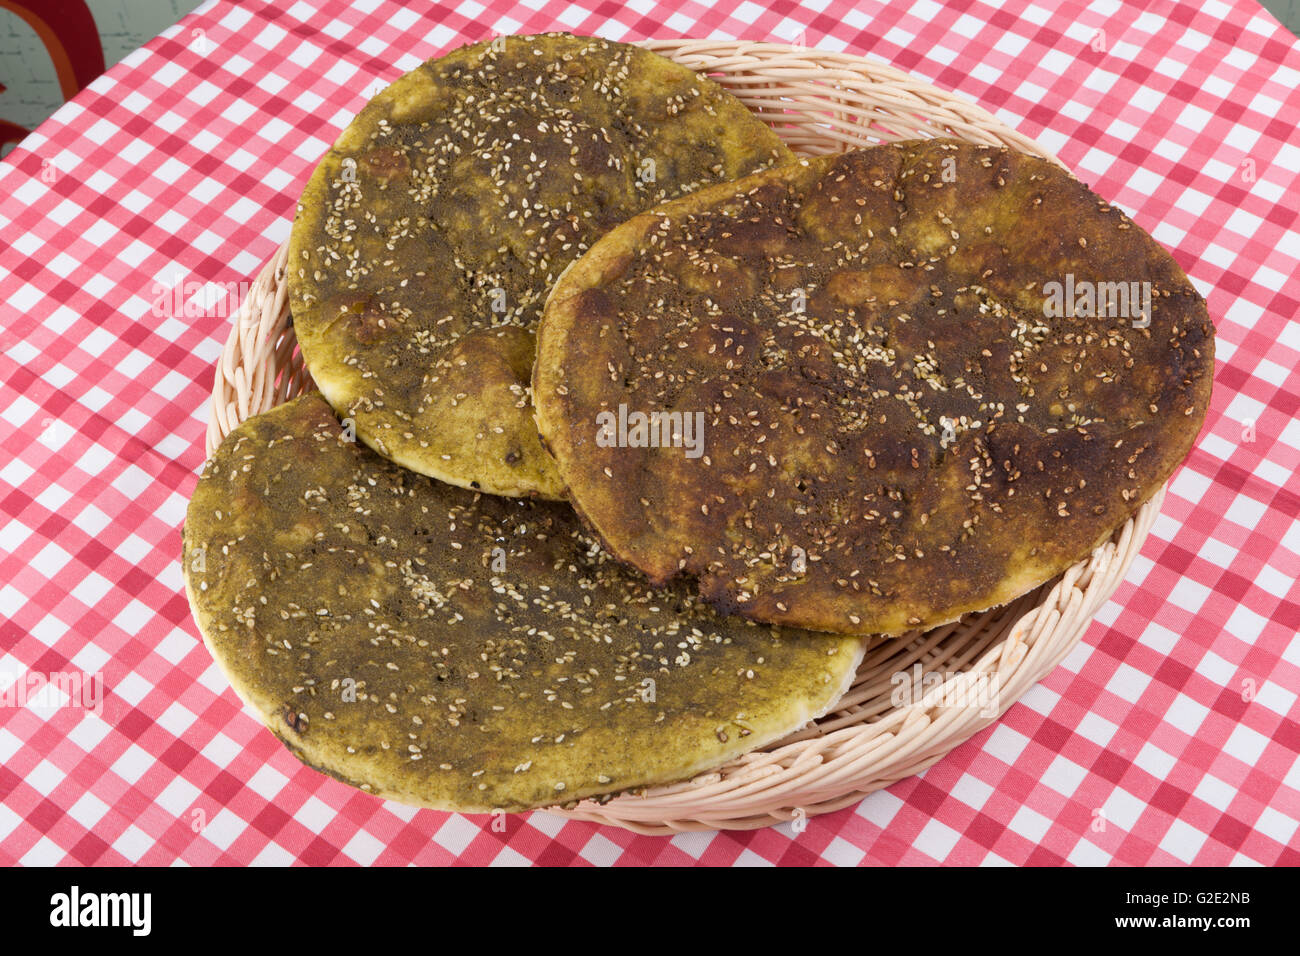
x: 1170, y: 735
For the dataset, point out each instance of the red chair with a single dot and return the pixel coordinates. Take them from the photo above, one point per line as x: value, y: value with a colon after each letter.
x: 71, y: 38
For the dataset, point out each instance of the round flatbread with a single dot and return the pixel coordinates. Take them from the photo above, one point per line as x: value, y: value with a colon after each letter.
x: 464, y: 651
x: 428, y: 237
x: 927, y: 377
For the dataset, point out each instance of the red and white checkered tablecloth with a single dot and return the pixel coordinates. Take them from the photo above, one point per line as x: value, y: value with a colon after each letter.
x: 1170, y: 735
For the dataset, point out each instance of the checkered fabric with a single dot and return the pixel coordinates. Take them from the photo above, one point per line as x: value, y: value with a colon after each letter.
x: 1170, y: 735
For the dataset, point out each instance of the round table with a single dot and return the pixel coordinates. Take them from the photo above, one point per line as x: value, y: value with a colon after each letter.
x: 129, y: 219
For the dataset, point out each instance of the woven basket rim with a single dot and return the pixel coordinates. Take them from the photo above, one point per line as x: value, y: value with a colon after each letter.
x: 818, y: 101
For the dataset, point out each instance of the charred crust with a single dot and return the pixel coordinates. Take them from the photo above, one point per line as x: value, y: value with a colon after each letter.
x: 451, y: 205
x: 918, y: 425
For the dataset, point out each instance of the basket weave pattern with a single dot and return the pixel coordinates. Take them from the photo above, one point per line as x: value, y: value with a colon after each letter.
x: 880, y: 731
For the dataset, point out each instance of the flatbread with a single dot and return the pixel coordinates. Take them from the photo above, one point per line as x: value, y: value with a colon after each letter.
x: 496, y: 657
x: 895, y: 430
x: 428, y: 237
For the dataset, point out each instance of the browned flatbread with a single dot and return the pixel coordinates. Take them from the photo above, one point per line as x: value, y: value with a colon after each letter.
x: 427, y: 239
x: 466, y: 651
x: 895, y: 430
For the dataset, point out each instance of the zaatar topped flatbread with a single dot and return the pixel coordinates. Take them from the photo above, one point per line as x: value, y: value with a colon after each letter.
x: 428, y: 237
x: 463, y: 651
x: 921, y: 390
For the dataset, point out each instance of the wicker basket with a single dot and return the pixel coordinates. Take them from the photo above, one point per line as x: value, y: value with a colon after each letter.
x: 973, y: 670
